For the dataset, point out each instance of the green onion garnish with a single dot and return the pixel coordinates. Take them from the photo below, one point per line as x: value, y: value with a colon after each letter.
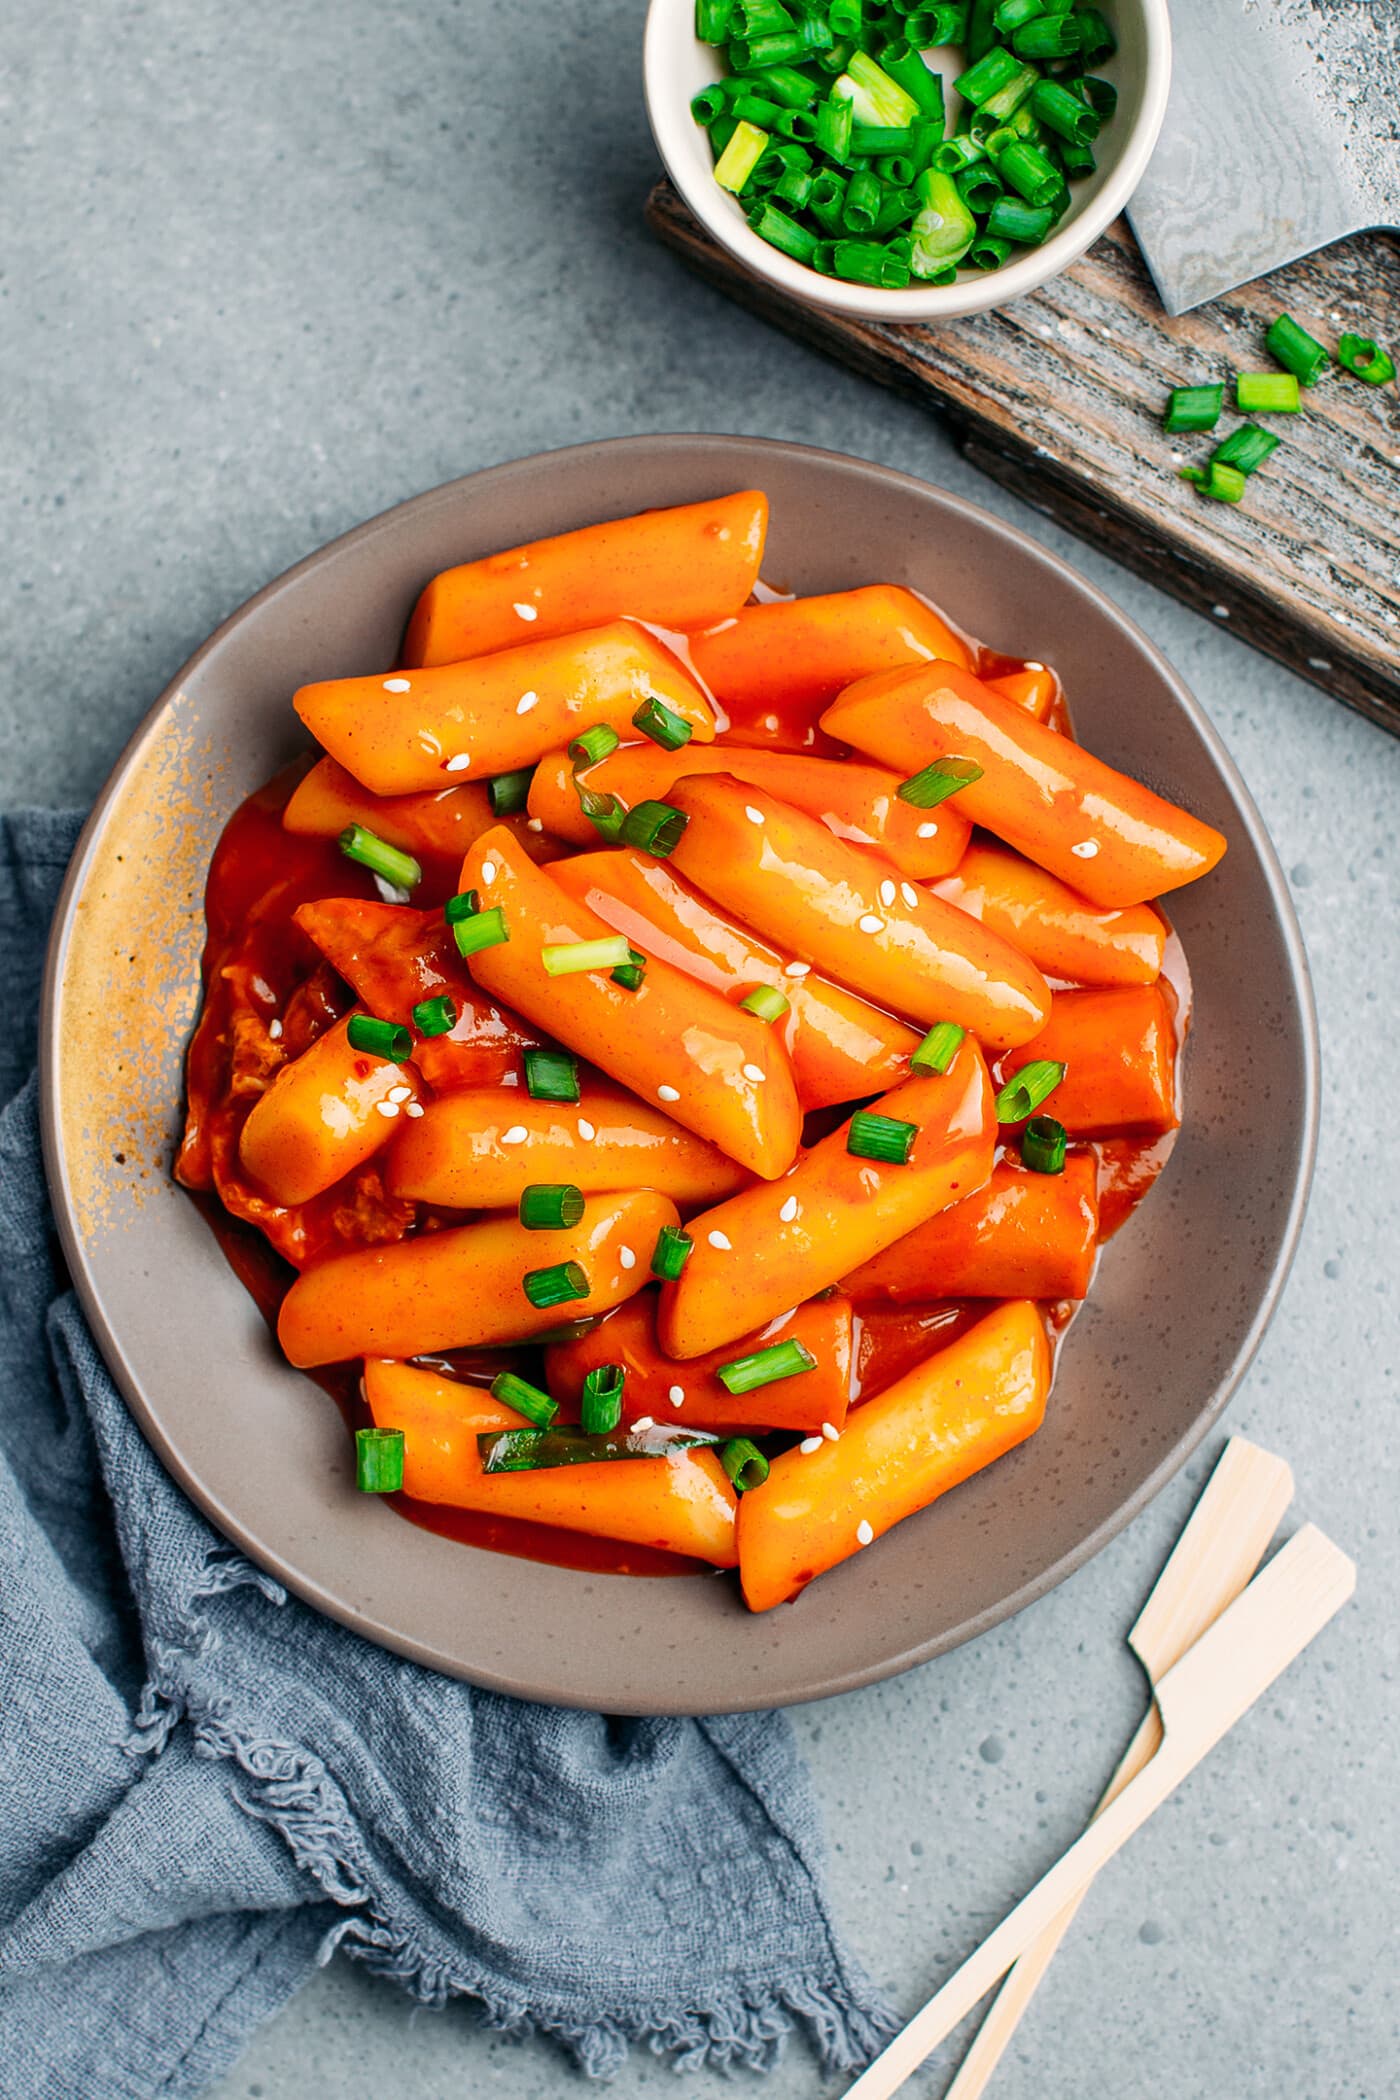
x: 435, y: 1016
x: 885, y: 1138
x: 938, y: 781
x: 532, y: 1450
x: 550, y: 1206
x: 654, y: 827
x: 566, y: 1331
x: 744, y: 1463
x: 551, y: 1075
x: 604, y: 812
x: 746, y: 147
x: 1245, y: 448
x: 379, y: 1461
x: 630, y: 974
x: 1043, y: 1144
x: 938, y: 1048
x: 1301, y: 353
x: 487, y: 929
x: 526, y: 1399
x: 1193, y: 408
x: 662, y: 724
x: 510, y: 792
x: 593, y: 745
x: 600, y: 1405
x: 465, y: 905
x: 1064, y: 112
x: 767, y: 1002
x: 1364, y: 356
x: 1012, y: 219
x: 378, y: 1038
x: 376, y: 854
x: 765, y: 1367
x: 1026, y: 1089
x: 990, y: 74
x: 569, y: 958
x: 712, y: 20
x: 555, y: 1285
x: 671, y: 1253
x: 1266, y: 393
x: 1224, y: 483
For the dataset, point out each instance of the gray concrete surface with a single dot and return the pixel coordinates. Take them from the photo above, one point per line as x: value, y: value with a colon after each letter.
x: 269, y: 268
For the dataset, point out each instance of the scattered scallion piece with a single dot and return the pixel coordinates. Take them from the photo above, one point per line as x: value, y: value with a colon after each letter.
x: 765, y: 1367
x: 604, y: 812
x: 378, y: 1038
x: 379, y: 1461
x: 435, y: 1016
x: 382, y: 859
x: 1224, y: 483
x: 1244, y: 449
x: 532, y: 1450
x: 1266, y: 393
x: 1026, y: 1089
x: 551, y: 1075
x: 654, y: 827
x: 767, y: 1002
x: 744, y: 1463
x: 1193, y: 408
x: 465, y: 905
x: 741, y: 156
x: 537, y: 1407
x: 662, y: 724
x: 1364, y: 356
x: 569, y: 958
x: 944, y: 228
x: 630, y: 974
x: 1300, y: 353
x: 938, y: 1048
x: 592, y: 745
x: 488, y: 929
x: 600, y: 1403
x: 550, y: 1206
x: 671, y: 1252
x: 938, y: 781
x: 1043, y: 1143
x: 555, y: 1285
x: 510, y: 792
x: 885, y: 1138
x: 712, y: 19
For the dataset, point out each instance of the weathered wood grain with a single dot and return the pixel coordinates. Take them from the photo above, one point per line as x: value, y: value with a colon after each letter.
x: 1060, y: 396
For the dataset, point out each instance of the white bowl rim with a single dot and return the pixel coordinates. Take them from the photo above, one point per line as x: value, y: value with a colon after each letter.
x: 671, y: 125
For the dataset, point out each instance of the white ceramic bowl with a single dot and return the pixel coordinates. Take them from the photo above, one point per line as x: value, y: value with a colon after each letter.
x: 677, y: 65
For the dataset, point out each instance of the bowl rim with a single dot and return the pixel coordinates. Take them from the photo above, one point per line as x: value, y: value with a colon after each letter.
x: 450, y: 496
x: 670, y: 127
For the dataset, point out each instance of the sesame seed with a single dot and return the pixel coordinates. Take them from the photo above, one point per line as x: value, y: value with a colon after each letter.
x: 832, y: 1435
x: 387, y: 1108
x: 645, y: 1422
x: 526, y: 702
x: 413, y: 1108
x: 396, y: 685
x: 586, y: 1130
x: 274, y: 1029
x: 1029, y: 666
x: 1222, y: 612
x: 488, y: 871
x: 718, y: 1240
x: 668, y: 1093
x: 910, y: 895
x: 870, y: 924
x: 810, y: 1444
x: 399, y: 1093
x: 458, y: 764
x: 534, y: 823
x: 755, y: 816
x: 756, y: 1073
x: 927, y: 831
x: 627, y: 1257
x: 528, y: 612
x: 789, y: 1210
x: 1086, y: 849
x: 887, y: 894
x: 864, y: 1534
x: 798, y: 969
x: 516, y: 1135
x: 770, y: 721
x: 676, y: 1395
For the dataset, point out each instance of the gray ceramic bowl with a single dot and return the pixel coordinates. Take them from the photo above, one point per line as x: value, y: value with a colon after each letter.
x: 1182, y: 1295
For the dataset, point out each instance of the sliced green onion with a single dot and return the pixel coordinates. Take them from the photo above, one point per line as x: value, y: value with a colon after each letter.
x: 1007, y: 99
x: 630, y: 974
x: 379, y: 1461
x: 988, y: 252
x: 1051, y: 36
x: 1026, y: 1089
x: 979, y: 186
x: 1245, y: 448
x: 537, y: 1407
x: 1300, y: 353
x: 744, y: 1463
x: 948, y: 23
x: 781, y: 232
x: 380, y: 857
x: 1076, y: 160
x: 551, y: 1075
x: 1043, y: 1143
x: 532, y: 1450
x: 862, y: 206
x: 555, y: 1285
x: 465, y: 905
x: 1364, y: 356
x: 1010, y: 14
x: 765, y: 1367
x: 1193, y: 408
x: 1096, y: 39
x: 593, y: 745
x: 786, y: 85
x: 1011, y: 219
x: 487, y: 930
x: 938, y: 1048
x: 435, y: 1016
x: 866, y: 262
x: 654, y: 827
x: 671, y: 1253
x: 661, y: 723
x: 1027, y: 171
x: 569, y: 958
x: 604, y: 812
x: 944, y: 229
x: 886, y: 1138
x: 510, y: 792
x: 908, y: 70
x: 378, y: 1038
x: 938, y: 781
x: 875, y: 98
x: 767, y: 1002
x: 550, y: 1206
x: 600, y: 1404
x: 1224, y: 483
x: 1266, y: 393
x: 712, y: 19
x: 1101, y: 95
x: 990, y: 73
x: 740, y: 157
x: 1064, y: 112
x: 958, y: 152
x: 835, y: 120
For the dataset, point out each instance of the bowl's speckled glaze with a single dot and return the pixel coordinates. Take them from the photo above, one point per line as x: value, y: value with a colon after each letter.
x: 1181, y: 1297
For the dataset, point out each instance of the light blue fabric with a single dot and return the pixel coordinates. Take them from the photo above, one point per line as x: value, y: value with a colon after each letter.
x: 205, y: 1787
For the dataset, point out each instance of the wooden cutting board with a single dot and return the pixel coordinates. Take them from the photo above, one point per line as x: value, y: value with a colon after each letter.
x: 1060, y: 396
